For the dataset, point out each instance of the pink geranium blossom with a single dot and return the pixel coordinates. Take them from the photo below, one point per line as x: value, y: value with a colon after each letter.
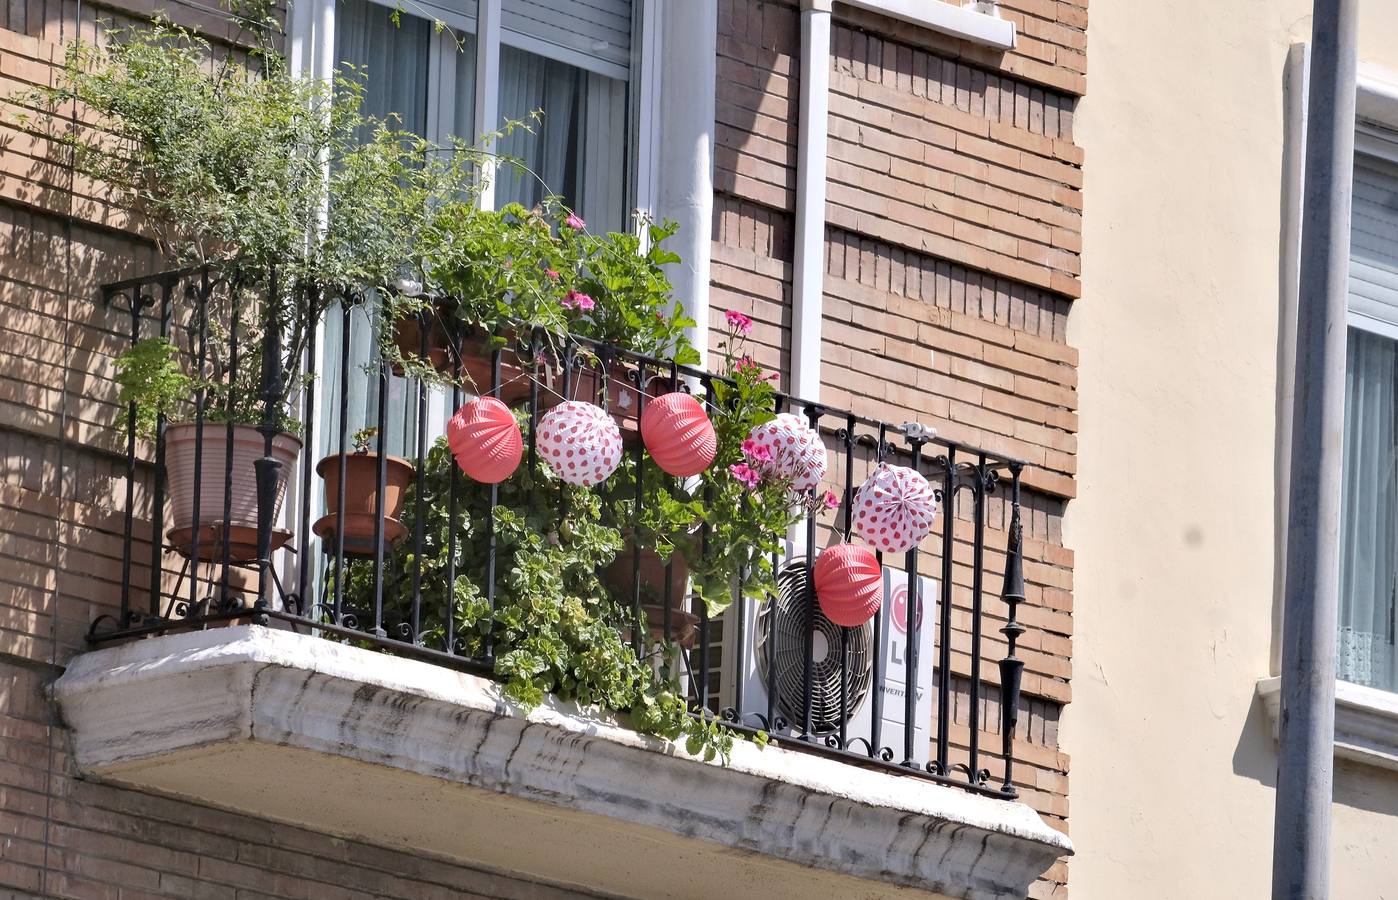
x: 575, y: 222
x: 745, y: 473
x: 577, y: 300
x: 831, y: 501
x: 747, y: 365
x: 738, y: 322
x: 756, y: 452
x: 552, y: 274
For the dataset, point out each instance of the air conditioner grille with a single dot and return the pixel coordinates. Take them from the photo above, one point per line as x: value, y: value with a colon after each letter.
x: 791, y: 610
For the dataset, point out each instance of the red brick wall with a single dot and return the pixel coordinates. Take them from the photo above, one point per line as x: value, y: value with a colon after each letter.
x: 953, y: 235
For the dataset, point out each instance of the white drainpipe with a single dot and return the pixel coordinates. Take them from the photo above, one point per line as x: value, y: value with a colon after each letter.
x: 808, y: 264
x: 686, y: 183
x: 808, y: 278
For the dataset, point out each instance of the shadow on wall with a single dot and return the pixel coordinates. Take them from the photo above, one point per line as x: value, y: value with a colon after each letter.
x: 1255, y: 755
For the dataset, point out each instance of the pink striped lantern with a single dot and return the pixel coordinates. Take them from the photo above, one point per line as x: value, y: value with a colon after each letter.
x: 848, y: 584
x: 485, y: 439
x: 678, y: 435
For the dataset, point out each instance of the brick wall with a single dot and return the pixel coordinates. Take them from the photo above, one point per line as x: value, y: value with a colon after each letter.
x: 951, y: 262
x: 953, y: 235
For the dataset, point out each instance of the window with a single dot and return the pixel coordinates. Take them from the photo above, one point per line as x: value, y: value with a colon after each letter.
x: 570, y: 59
x: 1369, y: 510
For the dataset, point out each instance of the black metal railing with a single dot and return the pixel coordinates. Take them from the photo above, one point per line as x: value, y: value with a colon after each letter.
x: 772, y: 664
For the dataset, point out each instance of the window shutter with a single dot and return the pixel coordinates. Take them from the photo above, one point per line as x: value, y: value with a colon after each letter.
x: 591, y: 34
x: 1373, y: 267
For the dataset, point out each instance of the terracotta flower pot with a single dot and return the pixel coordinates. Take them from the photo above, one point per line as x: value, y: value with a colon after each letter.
x: 361, y: 500
x: 619, y: 577
x: 240, y: 521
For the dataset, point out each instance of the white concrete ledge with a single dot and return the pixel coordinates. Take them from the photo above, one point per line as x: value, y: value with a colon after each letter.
x: 967, y: 22
x: 400, y: 752
x: 1366, y: 721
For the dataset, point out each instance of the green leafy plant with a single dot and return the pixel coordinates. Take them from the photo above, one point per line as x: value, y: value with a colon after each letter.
x: 748, y: 510
x: 233, y: 165
x: 555, y: 627
x: 149, y: 375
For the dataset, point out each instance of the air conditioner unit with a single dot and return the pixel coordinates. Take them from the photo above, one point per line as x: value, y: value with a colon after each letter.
x: 789, y: 613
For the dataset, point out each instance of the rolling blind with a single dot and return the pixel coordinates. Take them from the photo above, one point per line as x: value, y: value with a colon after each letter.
x: 591, y: 34
x: 1373, y: 266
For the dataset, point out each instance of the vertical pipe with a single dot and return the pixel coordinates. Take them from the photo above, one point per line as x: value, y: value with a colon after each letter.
x: 977, y: 586
x: 419, y: 507
x: 1301, y: 844
x: 487, y: 105
x: 687, y: 144
x: 808, y: 268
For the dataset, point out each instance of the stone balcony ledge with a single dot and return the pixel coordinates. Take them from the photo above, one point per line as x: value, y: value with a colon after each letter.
x: 404, y: 753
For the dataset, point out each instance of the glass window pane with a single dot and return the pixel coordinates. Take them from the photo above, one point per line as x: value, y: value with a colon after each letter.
x: 390, y: 60
x: 1369, y: 513
x: 577, y: 149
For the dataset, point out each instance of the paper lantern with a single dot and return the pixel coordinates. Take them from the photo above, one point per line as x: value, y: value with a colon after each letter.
x: 894, y: 508
x: 484, y: 437
x: 796, y: 450
x: 678, y: 435
x: 848, y: 584
x: 580, y: 442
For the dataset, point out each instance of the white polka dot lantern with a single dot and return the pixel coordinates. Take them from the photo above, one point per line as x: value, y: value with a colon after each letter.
x: 894, y: 509
x: 580, y: 442
x: 796, y: 449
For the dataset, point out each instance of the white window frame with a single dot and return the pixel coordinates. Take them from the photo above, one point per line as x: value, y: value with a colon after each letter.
x: 312, y: 50
x: 1366, y: 719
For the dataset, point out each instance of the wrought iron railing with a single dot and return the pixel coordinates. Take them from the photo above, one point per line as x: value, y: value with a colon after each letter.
x: 768, y: 664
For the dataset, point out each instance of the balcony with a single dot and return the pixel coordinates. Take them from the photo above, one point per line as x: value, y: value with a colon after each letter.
x: 479, y: 670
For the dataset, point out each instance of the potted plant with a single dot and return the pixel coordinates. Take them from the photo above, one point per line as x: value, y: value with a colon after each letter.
x: 524, y: 282
x: 359, y: 506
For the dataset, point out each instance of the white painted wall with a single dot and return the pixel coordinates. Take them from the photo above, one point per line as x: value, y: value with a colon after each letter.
x: 1172, y: 758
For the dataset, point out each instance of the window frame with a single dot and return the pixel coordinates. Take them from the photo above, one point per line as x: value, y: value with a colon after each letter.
x: 312, y: 42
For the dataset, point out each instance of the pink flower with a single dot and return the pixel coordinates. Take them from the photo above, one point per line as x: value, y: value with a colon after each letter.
x: 552, y: 274
x: 756, y: 452
x: 745, y: 474
x: 575, y: 222
x: 747, y: 366
x: 831, y: 501
x: 738, y: 322
x: 576, y: 300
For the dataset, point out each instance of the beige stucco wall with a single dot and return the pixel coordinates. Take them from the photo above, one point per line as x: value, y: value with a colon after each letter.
x: 1173, y: 760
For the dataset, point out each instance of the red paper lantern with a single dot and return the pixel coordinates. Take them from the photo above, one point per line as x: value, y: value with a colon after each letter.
x: 848, y: 584
x: 485, y: 439
x: 678, y: 435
